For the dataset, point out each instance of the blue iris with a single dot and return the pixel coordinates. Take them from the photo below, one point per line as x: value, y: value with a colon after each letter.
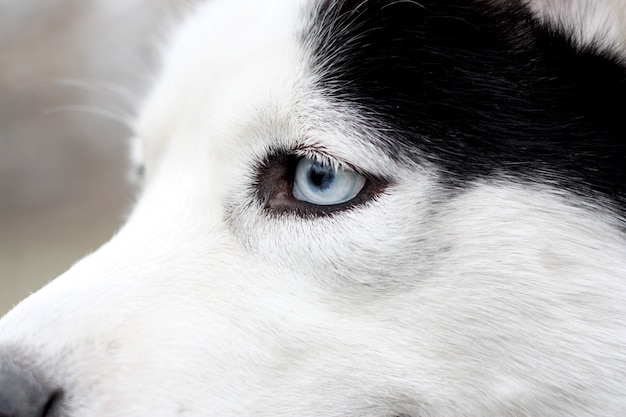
x: 324, y: 184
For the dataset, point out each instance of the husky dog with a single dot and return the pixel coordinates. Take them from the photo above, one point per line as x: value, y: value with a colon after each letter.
x: 357, y: 208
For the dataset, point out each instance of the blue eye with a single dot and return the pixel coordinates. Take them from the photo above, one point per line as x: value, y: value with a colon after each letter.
x: 325, y: 185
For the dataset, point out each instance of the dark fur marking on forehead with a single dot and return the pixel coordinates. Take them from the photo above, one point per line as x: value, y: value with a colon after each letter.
x: 478, y: 90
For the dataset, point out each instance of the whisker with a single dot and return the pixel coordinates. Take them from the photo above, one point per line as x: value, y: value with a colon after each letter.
x: 189, y: 3
x: 92, y: 110
x: 99, y: 87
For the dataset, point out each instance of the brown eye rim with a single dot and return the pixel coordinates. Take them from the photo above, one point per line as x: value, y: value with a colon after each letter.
x: 275, y: 181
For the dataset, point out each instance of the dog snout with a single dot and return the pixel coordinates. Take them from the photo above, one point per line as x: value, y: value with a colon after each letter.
x: 23, y: 394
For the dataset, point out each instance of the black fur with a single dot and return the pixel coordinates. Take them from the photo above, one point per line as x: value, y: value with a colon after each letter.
x: 479, y: 90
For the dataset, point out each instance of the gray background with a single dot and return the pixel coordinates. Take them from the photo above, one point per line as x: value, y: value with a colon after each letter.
x: 71, y: 72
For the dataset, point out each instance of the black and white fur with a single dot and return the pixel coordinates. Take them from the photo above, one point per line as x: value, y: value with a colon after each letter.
x: 480, y: 271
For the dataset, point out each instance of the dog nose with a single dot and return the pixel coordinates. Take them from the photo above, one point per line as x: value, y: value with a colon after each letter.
x: 22, y: 394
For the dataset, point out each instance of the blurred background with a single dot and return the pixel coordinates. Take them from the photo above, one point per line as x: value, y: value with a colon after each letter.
x: 72, y: 73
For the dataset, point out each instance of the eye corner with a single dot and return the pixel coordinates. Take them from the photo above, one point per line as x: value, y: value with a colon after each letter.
x: 137, y: 169
x: 140, y: 171
x: 135, y: 174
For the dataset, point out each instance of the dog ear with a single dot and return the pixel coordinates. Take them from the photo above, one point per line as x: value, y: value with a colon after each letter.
x: 599, y: 25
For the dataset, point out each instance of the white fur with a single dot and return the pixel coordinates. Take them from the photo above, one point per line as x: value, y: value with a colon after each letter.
x: 505, y: 300
x: 599, y: 24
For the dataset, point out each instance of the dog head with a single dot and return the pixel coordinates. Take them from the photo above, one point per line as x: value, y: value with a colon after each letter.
x: 357, y: 208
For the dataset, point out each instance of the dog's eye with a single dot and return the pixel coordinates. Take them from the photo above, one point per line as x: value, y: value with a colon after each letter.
x: 323, y: 184
x: 313, y: 185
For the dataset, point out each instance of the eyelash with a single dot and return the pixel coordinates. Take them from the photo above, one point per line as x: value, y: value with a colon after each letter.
x: 275, y: 180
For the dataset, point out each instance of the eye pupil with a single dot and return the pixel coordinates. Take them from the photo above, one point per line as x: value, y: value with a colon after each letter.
x: 320, y: 176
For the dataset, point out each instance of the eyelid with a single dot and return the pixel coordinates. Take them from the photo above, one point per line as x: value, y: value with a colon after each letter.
x: 321, y: 156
